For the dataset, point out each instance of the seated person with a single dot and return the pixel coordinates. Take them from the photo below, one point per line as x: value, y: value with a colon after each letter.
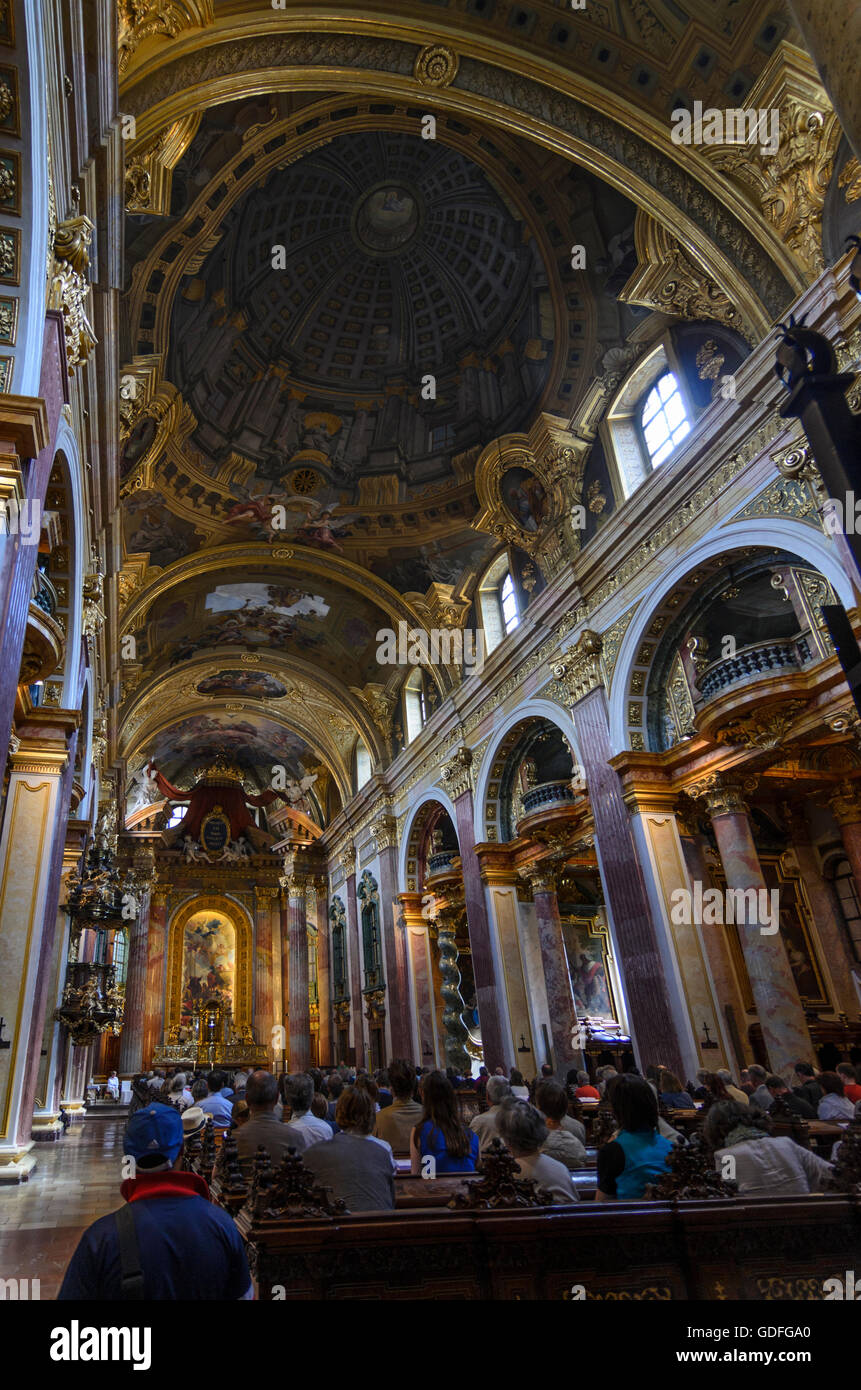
x: 384, y: 1093
x: 734, y: 1092
x: 834, y: 1107
x: 320, y: 1109
x: 582, y: 1088
x: 850, y: 1074
x: 298, y: 1092
x: 396, y: 1122
x: 671, y: 1092
x: 112, y: 1086
x: 355, y: 1165
x: 763, y: 1165
x: 440, y: 1133
x: 778, y: 1090
x: 552, y: 1105
x: 806, y: 1084
x: 240, y: 1111
x: 637, y: 1154
x: 518, y: 1086
x: 218, y: 1102
x: 484, y: 1125
x: 523, y: 1131
x: 263, y: 1127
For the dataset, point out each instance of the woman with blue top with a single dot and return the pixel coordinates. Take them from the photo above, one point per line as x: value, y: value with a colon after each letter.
x: 440, y: 1134
x: 637, y: 1154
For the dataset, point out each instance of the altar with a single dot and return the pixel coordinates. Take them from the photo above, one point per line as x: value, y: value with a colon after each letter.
x: 211, y: 1039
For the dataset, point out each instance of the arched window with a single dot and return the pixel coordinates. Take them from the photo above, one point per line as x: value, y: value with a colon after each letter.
x: 498, y: 603
x: 372, y: 947
x: 415, y: 708
x: 363, y: 764
x: 840, y: 873
x: 337, y: 916
x: 176, y: 815
x: 663, y: 419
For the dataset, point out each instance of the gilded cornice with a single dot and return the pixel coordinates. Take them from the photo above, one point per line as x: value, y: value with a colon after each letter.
x: 626, y: 146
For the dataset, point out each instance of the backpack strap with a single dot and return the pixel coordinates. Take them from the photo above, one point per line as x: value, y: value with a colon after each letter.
x: 130, y: 1256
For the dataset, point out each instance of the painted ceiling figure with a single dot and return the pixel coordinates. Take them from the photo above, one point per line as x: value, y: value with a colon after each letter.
x: 221, y: 786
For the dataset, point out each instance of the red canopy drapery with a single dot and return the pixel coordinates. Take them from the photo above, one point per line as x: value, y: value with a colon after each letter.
x: 230, y: 796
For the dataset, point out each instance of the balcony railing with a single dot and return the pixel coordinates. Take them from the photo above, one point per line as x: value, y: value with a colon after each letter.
x: 442, y: 860
x: 547, y: 794
x: 757, y: 660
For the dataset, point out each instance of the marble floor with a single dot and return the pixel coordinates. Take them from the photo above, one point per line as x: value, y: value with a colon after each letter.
x: 76, y: 1180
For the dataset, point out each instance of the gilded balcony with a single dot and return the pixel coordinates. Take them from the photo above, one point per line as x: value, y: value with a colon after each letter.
x: 549, y: 804
x: 45, y: 640
x: 753, y: 663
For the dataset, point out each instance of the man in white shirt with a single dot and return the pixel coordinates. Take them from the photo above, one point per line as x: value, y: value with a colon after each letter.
x: 299, y: 1092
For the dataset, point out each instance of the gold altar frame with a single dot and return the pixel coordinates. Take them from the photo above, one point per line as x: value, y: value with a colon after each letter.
x: 215, y: 902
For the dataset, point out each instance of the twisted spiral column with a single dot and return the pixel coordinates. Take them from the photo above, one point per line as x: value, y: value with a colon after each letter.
x: 456, y: 1034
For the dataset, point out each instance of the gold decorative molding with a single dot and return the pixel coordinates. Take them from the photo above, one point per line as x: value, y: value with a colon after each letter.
x: 456, y: 775
x: 669, y: 279
x: 69, y: 287
x: 722, y: 794
x: 141, y: 20
x: 789, y: 184
x: 845, y: 803
x: 384, y: 830
x: 579, y: 670
x: 436, y: 66
x: 150, y: 165
x: 241, y: 922
x: 380, y: 704
x: 763, y: 729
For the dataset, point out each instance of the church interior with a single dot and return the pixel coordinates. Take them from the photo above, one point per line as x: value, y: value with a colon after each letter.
x: 428, y: 588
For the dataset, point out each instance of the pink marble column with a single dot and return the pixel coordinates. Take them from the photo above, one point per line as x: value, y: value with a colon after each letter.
x: 298, y: 1005
x: 264, y: 1005
x: 131, y: 1039
x: 354, y: 950
x: 560, y: 997
x: 634, y: 930
x: 830, y: 930
x: 324, y: 980
x: 153, y: 1033
x: 488, y: 989
x: 778, y: 1006
x: 417, y: 942
x: 284, y: 913
x: 845, y: 805
x: 397, y: 986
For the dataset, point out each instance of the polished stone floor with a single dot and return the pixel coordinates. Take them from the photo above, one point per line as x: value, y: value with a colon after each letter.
x: 76, y: 1180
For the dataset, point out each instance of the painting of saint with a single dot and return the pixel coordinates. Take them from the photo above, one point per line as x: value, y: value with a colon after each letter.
x: 525, y: 498
x: 209, y: 962
x: 587, y: 967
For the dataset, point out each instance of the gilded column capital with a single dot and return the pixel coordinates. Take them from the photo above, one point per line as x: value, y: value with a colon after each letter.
x: 456, y: 774
x: 579, y: 670
x: 723, y: 795
x: 384, y: 830
x: 347, y: 859
x: 265, y: 894
x: 541, y: 877
x: 39, y: 756
x: 845, y: 803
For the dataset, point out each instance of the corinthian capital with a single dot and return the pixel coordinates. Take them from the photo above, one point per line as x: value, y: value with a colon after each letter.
x: 579, y: 670
x: 384, y: 831
x: 456, y: 774
x: 541, y: 877
x: 347, y: 859
x: 723, y: 795
x: 845, y: 803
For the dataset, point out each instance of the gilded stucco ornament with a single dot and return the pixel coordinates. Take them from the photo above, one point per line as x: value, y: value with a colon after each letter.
x: 579, y: 670
x: 723, y: 795
x: 139, y: 20
x: 436, y: 66
x: 764, y: 729
x: 456, y: 774
x: 69, y: 287
x: 667, y: 278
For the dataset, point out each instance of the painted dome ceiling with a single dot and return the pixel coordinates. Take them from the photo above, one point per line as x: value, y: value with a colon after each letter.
x: 339, y: 284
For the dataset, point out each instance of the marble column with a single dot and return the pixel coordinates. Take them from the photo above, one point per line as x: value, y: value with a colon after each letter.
x: 845, y: 805
x: 28, y: 894
x: 488, y: 991
x: 778, y: 1007
x: 76, y: 1076
x: 354, y: 955
x: 264, y: 1007
x: 835, y: 957
x: 832, y: 35
x: 298, y: 1005
x: 425, y: 1043
x: 132, y: 1037
x: 557, y: 978
x: 638, y: 949
x: 455, y: 1032
x: 324, y: 973
x: 717, y: 951
x: 397, y: 986
x: 46, y: 1112
x: 153, y: 1031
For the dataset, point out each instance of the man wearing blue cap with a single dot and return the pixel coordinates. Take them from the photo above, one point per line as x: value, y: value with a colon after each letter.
x: 169, y: 1241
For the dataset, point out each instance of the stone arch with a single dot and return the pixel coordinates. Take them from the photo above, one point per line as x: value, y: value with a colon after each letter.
x: 422, y: 821
x: 238, y: 915
x: 637, y: 649
x: 728, y: 240
x: 500, y: 748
